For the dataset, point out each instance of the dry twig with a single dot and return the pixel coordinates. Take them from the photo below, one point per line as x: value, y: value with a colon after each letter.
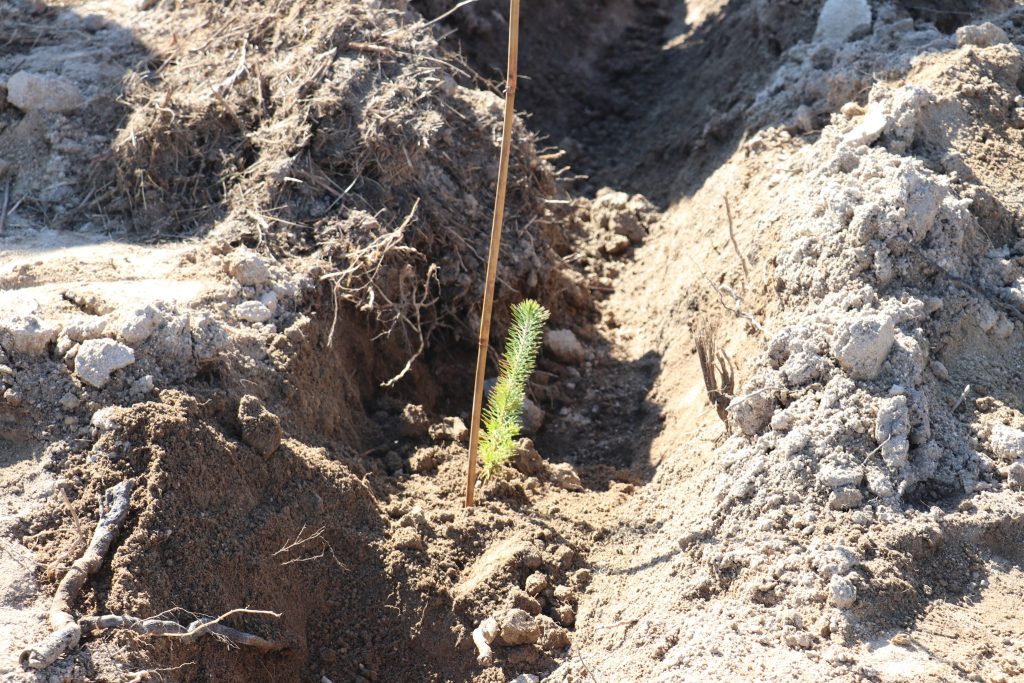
x: 715, y: 366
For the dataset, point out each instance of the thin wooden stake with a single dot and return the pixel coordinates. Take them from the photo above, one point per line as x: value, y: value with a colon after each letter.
x: 492, y: 254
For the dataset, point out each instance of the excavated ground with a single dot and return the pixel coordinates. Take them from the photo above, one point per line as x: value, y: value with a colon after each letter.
x: 782, y: 437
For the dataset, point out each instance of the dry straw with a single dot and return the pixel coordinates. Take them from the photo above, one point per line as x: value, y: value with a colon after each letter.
x: 495, y: 245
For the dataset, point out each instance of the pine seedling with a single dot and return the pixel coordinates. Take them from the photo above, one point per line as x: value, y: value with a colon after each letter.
x: 502, y: 419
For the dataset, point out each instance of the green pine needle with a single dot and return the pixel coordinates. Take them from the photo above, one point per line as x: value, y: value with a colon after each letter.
x: 503, y: 415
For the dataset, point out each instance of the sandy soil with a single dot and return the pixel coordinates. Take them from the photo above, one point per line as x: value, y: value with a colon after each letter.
x: 241, y: 253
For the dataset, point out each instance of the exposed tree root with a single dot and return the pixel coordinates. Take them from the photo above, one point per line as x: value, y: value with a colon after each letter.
x: 197, y: 629
x: 66, y: 631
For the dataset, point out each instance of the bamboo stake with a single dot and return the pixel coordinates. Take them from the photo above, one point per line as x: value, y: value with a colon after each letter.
x: 492, y: 254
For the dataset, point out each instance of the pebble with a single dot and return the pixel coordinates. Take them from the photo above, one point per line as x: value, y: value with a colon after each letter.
x: 564, y: 346
x: 27, y: 334
x: 517, y: 627
x: 43, y: 92
x: 253, y: 312
x: 98, y: 358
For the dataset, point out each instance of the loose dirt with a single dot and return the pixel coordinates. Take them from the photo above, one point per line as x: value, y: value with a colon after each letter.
x: 241, y: 255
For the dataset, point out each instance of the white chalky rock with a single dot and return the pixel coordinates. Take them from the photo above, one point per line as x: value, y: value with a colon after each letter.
x: 870, y: 127
x: 981, y: 35
x: 841, y: 20
x: 35, y: 92
x: 86, y: 327
x: 892, y: 428
x: 136, y: 326
x: 564, y: 346
x: 248, y: 267
x: 253, y: 312
x: 861, y: 344
x: 97, y: 358
x: 1006, y: 442
x: 841, y: 592
x: 27, y: 334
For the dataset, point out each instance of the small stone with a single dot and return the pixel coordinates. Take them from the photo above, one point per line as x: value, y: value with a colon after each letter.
x: 843, y: 20
x: 86, y: 327
x: 564, y: 556
x: 552, y: 636
x: 98, y: 358
x: 414, y: 421
x: 616, y: 244
x: 451, y: 428
x: 563, y: 475
x: 841, y: 592
x: 583, y: 577
x: 566, y: 615
x: 137, y: 326
x: 562, y: 593
x: 69, y: 401
x: 862, y: 344
x: 564, y: 346
x: 1015, y: 474
x: 249, y: 268
x: 38, y: 92
x: 981, y: 35
x: 517, y: 627
x: 142, y: 386
x: 261, y: 429
x: 527, y: 460
x: 533, y: 417
x: 27, y: 334
x: 414, y: 518
x: 1006, y: 442
x: 407, y: 538
x: 536, y: 583
x: 752, y: 411
x: 253, y: 312
x: 106, y: 419
x: 846, y: 499
x: 526, y: 602
x: 526, y: 678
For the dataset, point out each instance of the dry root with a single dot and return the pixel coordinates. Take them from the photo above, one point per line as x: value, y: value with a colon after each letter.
x: 197, y: 629
x: 483, y: 636
x: 719, y: 378
x: 66, y: 631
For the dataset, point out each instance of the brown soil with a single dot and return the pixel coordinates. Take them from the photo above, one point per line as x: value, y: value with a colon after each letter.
x: 281, y: 210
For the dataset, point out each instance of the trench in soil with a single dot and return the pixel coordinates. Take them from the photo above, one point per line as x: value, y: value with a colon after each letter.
x: 648, y: 98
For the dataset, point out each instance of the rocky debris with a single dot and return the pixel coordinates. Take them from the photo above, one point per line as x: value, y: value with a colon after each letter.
x: 526, y: 678
x: 248, y: 267
x: 566, y: 615
x: 532, y: 417
x: 98, y: 358
x: 564, y: 346
x: 892, y: 429
x: 261, y: 429
x: 86, y: 327
x: 526, y: 602
x: 752, y: 411
x: 517, y: 627
x: 135, y: 327
x: 393, y: 463
x: 536, y: 583
x: 846, y: 498
x: 564, y: 476
x: 253, y: 312
x: 862, y: 343
x: 843, y: 20
x: 616, y: 244
x: 622, y: 214
x: 527, y: 460
x: 1006, y: 442
x: 27, y: 335
x: 981, y: 35
x: 426, y: 459
x: 106, y: 419
x: 43, y: 92
x: 408, y: 538
x: 414, y: 421
x: 552, y: 636
x: 841, y: 592
x: 451, y: 429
